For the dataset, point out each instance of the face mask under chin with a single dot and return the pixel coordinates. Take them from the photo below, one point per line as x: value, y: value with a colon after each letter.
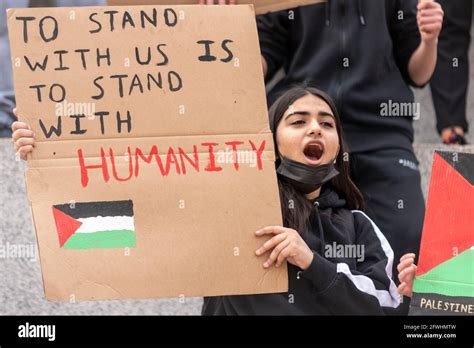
x: 303, y: 177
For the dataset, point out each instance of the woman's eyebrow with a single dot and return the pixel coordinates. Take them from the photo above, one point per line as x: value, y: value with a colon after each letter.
x: 324, y: 113
x: 302, y: 113
x: 307, y: 113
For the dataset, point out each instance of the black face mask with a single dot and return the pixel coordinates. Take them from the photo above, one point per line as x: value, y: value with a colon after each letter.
x: 305, y: 178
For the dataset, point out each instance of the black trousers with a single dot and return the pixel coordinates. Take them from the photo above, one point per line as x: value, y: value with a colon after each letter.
x: 391, y: 185
x: 449, y: 83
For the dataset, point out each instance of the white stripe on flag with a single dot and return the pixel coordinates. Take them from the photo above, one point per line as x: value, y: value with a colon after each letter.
x: 105, y: 223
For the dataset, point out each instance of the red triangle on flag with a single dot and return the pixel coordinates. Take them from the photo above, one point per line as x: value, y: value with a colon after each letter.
x: 65, y: 225
x: 447, y: 230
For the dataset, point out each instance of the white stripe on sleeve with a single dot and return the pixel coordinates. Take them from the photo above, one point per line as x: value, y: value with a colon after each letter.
x: 389, y: 298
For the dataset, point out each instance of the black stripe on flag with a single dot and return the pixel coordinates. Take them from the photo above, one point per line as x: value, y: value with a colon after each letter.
x: 435, y: 304
x: 462, y: 162
x: 92, y: 209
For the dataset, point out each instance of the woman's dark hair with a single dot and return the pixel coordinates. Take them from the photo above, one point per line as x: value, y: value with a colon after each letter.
x: 296, y: 208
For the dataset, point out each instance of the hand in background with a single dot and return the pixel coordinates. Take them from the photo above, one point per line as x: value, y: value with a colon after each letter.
x: 22, y: 137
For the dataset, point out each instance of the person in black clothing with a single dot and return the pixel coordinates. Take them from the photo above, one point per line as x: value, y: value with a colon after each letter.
x: 365, y: 54
x: 450, y: 80
x: 321, y: 209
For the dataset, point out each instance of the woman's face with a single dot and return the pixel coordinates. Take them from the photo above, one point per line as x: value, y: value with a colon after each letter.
x: 307, y: 132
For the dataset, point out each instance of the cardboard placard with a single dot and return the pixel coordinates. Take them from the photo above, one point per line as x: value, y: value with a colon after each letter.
x: 261, y: 6
x: 154, y: 163
x: 444, y: 283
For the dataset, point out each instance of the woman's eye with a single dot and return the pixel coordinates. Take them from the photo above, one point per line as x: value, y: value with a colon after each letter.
x: 298, y: 122
x: 327, y: 124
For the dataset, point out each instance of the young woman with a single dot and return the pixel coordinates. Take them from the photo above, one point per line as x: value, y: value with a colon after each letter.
x: 322, y: 216
x: 338, y: 260
x: 366, y: 54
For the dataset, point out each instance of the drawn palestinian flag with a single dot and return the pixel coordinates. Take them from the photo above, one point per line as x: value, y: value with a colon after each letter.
x: 95, y: 225
x: 444, y: 283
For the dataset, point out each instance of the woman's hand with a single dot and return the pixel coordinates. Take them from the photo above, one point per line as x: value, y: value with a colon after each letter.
x: 423, y: 61
x: 22, y: 137
x: 430, y: 20
x: 406, y: 274
x: 286, y: 244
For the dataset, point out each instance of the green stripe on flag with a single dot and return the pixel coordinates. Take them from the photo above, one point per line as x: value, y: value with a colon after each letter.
x: 446, y: 288
x: 101, y: 239
x: 454, y: 277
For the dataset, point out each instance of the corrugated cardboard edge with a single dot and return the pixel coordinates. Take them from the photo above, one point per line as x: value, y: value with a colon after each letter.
x: 259, y: 11
x: 30, y: 204
x: 280, y: 7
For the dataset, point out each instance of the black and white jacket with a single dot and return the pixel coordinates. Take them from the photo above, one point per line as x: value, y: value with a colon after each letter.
x: 350, y: 274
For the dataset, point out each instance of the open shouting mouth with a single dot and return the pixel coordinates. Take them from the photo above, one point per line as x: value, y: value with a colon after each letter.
x: 313, y: 152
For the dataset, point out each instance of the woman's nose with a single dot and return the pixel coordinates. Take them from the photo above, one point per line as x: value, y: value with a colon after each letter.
x: 314, y: 128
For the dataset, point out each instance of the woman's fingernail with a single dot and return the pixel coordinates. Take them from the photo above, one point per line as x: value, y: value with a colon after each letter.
x: 257, y: 251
